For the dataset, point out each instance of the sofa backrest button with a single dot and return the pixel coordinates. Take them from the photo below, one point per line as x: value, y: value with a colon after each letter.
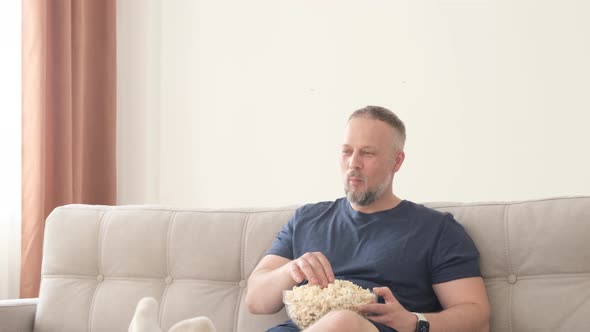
x: 512, y: 279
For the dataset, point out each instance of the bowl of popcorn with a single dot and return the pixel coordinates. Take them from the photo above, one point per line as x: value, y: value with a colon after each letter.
x: 308, y: 303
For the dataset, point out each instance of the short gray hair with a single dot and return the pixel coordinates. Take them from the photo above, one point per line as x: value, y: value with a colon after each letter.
x: 385, y: 115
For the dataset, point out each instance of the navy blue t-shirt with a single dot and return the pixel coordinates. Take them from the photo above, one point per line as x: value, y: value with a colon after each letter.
x: 408, y: 248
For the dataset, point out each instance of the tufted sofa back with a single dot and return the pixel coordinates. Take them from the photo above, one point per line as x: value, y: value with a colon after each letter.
x: 535, y: 259
x: 98, y: 261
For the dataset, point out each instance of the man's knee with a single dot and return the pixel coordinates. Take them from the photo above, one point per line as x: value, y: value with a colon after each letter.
x: 343, y: 320
x: 342, y: 317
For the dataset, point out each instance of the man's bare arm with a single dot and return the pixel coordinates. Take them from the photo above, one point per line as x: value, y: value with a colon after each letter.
x: 466, y: 306
x: 464, y: 301
x: 266, y: 285
x: 275, y: 273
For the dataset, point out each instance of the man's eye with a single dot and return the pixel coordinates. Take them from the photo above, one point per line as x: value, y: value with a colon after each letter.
x: 369, y: 153
x: 345, y: 151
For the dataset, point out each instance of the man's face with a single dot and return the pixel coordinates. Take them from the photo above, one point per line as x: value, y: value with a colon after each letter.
x: 368, y: 160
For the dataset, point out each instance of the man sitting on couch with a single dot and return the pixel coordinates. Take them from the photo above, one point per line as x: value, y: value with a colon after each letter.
x: 420, y: 261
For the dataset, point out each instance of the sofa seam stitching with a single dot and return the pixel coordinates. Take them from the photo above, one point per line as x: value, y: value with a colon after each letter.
x: 100, y: 242
x: 507, y: 240
x: 168, y: 273
x: 291, y: 208
x: 17, y: 306
x: 499, y: 203
x: 242, y: 270
x: 508, y: 262
x: 87, y: 207
x: 243, y: 247
x: 147, y: 280
x: 100, y: 272
x: 522, y: 277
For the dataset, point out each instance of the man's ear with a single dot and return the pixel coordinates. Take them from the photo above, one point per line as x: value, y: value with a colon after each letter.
x: 399, y: 160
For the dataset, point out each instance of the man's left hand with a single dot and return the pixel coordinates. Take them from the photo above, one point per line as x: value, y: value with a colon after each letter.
x: 391, y: 313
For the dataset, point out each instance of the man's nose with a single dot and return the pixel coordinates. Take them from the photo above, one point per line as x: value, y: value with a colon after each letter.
x: 355, y: 161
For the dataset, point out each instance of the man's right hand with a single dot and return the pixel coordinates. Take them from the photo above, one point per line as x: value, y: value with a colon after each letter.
x: 313, y: 266
x: 274, y: 274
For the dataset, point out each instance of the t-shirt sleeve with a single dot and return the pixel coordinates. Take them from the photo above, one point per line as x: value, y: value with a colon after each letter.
x: 455, y: 255
x: 282, y: 245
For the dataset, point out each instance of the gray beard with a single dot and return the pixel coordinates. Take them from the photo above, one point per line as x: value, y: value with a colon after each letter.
x: 363, y: 199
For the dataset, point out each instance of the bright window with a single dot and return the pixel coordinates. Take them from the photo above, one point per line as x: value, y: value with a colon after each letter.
x: 10, y: 148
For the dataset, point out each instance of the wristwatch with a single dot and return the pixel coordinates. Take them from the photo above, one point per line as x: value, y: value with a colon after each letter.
x: 422, y: 325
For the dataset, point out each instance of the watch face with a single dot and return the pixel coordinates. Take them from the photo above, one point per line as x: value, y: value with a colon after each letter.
x: 422, y: 326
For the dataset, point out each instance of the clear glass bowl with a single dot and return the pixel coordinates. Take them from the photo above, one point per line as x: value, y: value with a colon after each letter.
x: 294, y: 310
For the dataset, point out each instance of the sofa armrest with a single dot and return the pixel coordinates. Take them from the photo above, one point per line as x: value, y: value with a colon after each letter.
x: 17, y: 315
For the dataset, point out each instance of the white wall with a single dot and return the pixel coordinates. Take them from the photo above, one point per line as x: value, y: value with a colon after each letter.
x: 138, y: 101
x: 242, y: 103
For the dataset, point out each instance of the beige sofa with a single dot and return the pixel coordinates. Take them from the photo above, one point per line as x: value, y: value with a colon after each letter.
x: 99, y: 261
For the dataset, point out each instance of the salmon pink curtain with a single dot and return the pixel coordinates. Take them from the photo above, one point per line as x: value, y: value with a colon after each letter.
x: 69, y: 114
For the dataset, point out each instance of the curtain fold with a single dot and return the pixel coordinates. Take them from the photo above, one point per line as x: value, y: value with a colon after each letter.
x: 69, y: 116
